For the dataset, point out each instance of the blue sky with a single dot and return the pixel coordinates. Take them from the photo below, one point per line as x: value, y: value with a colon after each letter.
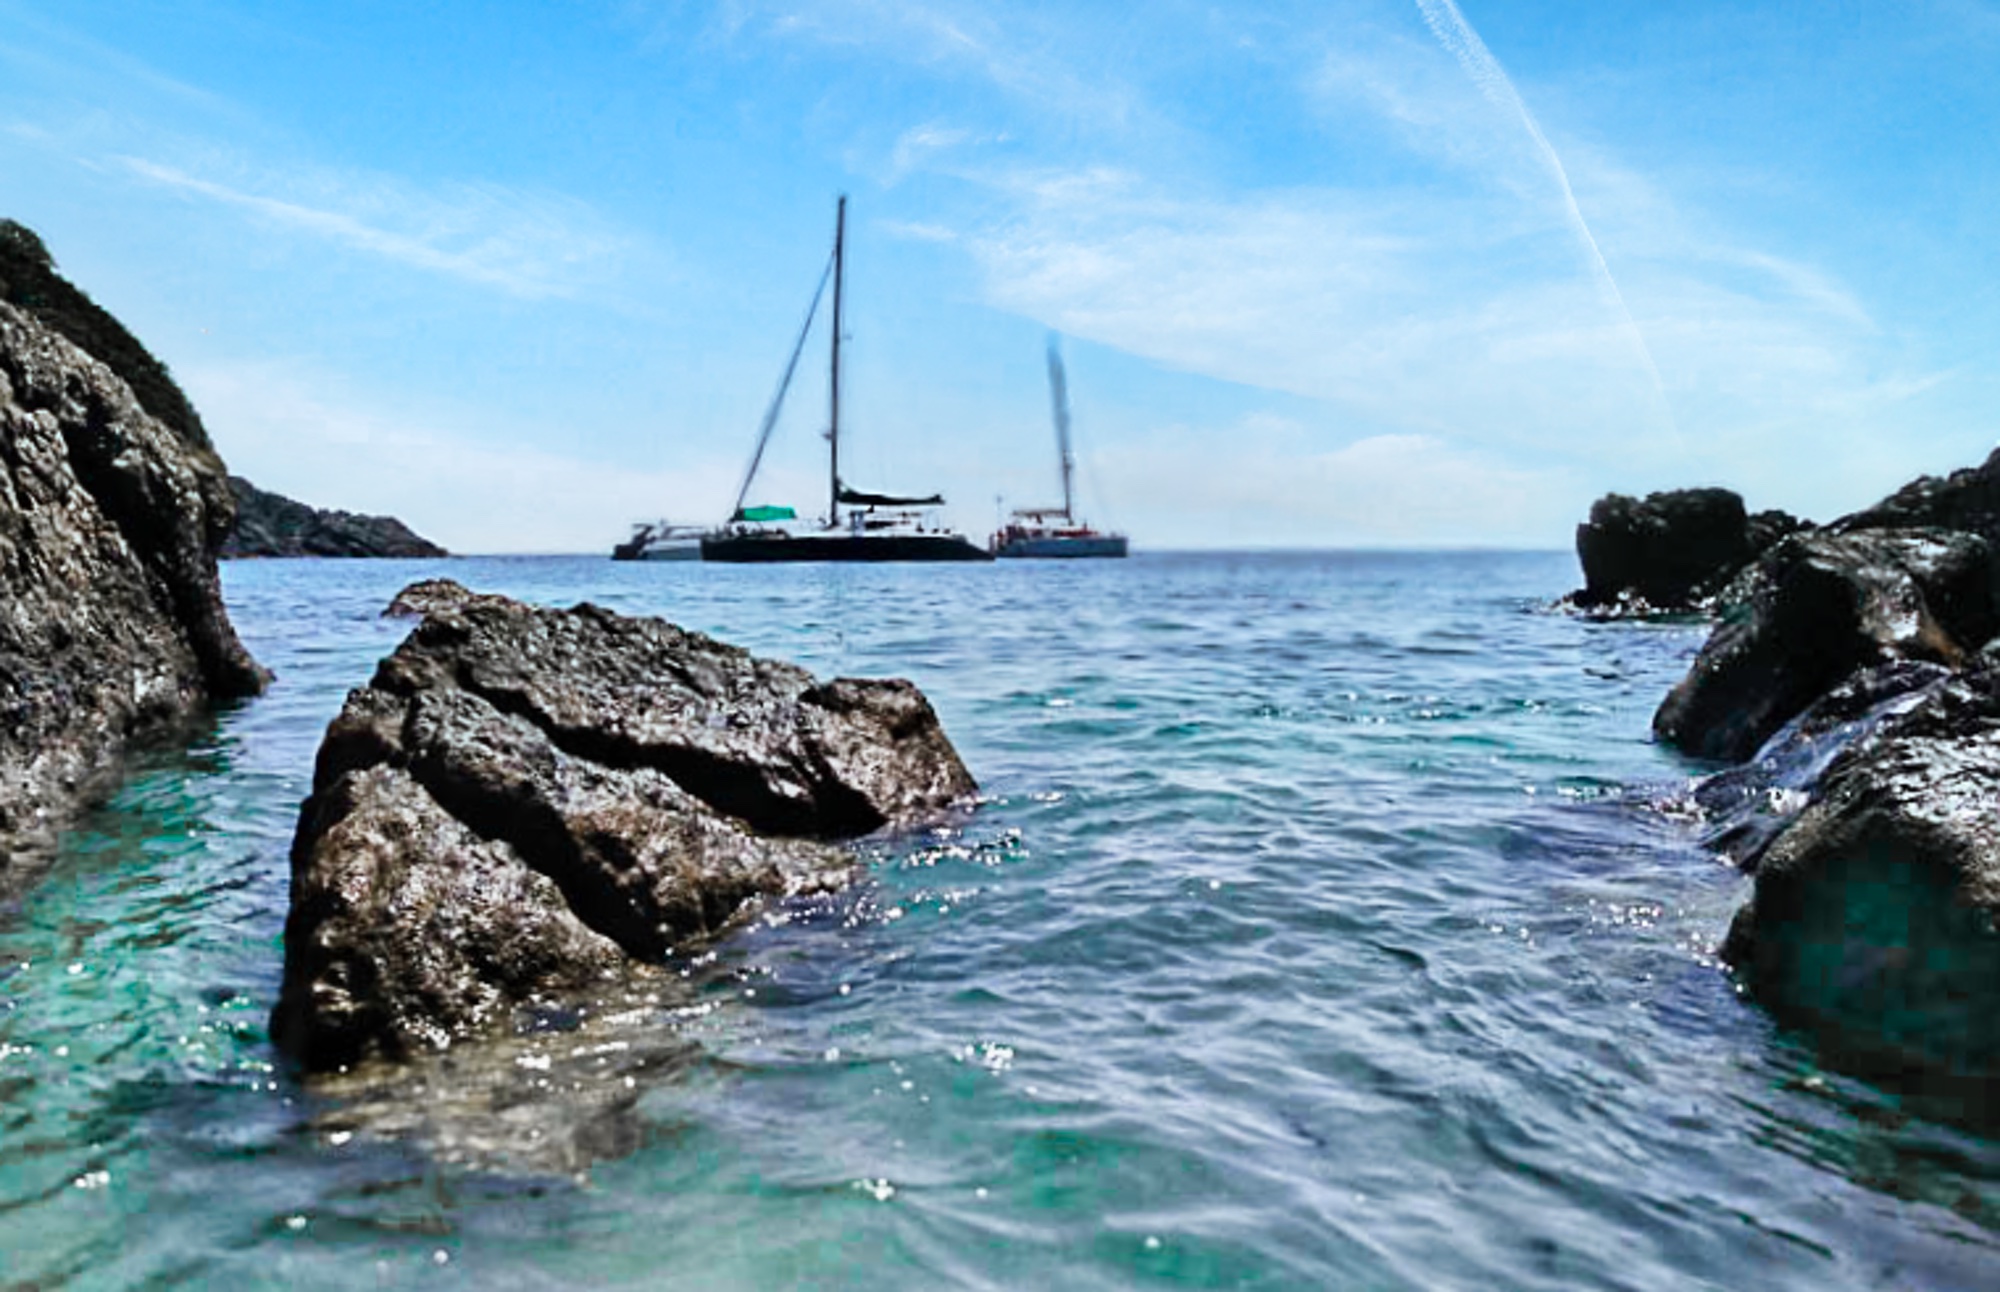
x: 1356, y: 272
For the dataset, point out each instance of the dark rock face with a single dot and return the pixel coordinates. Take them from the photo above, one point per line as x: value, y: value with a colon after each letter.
x: 523, y: 801
x: 269, y: 524
x: 1749, y: 805
x: 114, y: 630
x: 1667, y: 551
x: 1813, y: 610
x: 1874, y: 916
x: 1765, y: 528
x: 1856, y: 667
x: 1967, y: 500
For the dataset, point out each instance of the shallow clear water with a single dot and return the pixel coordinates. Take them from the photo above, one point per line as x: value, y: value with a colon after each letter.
x: 1320, y: 930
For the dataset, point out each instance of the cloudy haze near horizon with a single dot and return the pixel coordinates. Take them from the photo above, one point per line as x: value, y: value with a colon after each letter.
x: 1377, y: 273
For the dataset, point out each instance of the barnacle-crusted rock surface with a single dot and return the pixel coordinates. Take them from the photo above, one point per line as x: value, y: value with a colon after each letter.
x: 524, y: 800
x: 112, y: 628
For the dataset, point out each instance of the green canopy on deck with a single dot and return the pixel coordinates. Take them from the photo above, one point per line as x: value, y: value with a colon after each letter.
x: 766, y: 513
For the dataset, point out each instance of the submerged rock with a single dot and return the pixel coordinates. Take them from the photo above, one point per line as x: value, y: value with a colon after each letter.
x: 1671, y: 551
x: 113, y: 630
x: 523, y: 801
x: 1873, y: 921
x: 1814, y: 609
x: 269, y: 524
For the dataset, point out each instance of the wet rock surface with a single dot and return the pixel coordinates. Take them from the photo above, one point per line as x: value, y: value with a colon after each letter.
x: 269, y: 524
x: 1749, y: 805
x: 113, y: 632
x: 1873, y: 921
x: 1815, y: 609
x: 1854, y: 680
x: 1669, y: 552
x: 526, y: 802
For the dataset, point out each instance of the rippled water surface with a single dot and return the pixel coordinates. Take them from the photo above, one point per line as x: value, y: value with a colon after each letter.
x: 1321, y: 929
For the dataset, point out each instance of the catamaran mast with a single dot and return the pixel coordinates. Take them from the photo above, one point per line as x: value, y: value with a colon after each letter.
x: 833, y: 428
x: 1059, y: 397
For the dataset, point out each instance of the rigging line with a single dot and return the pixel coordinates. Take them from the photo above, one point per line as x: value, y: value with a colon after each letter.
x: 784, y: 384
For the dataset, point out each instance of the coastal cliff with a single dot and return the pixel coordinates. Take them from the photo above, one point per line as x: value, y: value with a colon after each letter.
x: 112, y: 506
x: 269, y: 524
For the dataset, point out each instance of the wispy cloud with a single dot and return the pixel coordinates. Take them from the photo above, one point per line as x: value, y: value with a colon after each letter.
x: 1457, y: 36
x: 1011, y: 51
x: 920, y: 145
x: 525, y: 245
x: 70, y: 57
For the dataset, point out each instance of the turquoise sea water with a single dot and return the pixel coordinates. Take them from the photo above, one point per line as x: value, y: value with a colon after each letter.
x: 1330, y: 922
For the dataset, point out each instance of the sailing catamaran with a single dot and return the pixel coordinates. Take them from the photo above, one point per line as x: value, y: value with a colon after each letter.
x: 876, y: 526
x: 1055, y: 531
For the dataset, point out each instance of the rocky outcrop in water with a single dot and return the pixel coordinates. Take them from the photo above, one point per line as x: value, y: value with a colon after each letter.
x: 1967, y: 500
x: 1669, y: 552
x: 1854, y: 680
x: 1875, y: 921
x: 112, y: 628
x: 523, y: 801
x: 1813, y: 610
x: 269, y: 524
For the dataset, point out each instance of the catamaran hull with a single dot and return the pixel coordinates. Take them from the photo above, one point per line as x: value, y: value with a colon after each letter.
x: 764, y: 548
x: 680, y: 550
x: 1063, y: 548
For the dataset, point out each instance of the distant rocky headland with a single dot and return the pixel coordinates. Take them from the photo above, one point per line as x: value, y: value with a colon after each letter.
x: 1852, y: 687
x: 113, y: 504
x: 269, y: 524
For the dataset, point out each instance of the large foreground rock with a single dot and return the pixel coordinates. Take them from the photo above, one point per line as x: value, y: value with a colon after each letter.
x: 1669, y: 551
x: 269, y: 524
x: 1873, y: 921
x: 1813, y: 610
x: 523, y: 801
x: 112, y: 628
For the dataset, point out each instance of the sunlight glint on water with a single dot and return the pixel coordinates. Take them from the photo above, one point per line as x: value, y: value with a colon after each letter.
x: 1310, y: 937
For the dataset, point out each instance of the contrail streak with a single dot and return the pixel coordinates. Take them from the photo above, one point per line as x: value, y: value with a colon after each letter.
x: 1458, y: 37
